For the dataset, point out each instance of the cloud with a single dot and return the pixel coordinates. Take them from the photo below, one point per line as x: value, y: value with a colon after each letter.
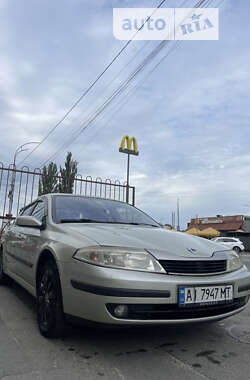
x: 190, y: 117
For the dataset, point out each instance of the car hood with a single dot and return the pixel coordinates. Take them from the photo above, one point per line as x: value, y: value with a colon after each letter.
x: 160, y: 242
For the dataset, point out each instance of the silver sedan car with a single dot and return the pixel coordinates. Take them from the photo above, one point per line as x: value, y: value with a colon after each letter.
x: 108, y: 262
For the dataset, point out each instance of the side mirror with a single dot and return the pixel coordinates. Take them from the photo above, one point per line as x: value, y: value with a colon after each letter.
x: 28, y: 221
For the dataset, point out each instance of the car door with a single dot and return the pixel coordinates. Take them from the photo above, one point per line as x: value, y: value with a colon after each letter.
x: 230, y: 243
x: 220, y: 241
x: 14, y: 241
x: 31, y: 244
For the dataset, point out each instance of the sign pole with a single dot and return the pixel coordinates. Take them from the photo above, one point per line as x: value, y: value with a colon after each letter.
x: 127, y: 192
x: 132, y: 148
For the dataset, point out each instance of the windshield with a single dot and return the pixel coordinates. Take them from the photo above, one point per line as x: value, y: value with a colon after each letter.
x: 91, y: 210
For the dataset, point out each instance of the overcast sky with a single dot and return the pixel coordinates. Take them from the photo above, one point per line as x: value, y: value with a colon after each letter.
x: 190, y: 116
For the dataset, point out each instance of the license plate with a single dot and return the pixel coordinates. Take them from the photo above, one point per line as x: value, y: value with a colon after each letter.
x: 189, y: 296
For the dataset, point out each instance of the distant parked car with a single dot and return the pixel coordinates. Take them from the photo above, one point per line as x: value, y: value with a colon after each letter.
x: 231, y: 242
x: 107, y: 262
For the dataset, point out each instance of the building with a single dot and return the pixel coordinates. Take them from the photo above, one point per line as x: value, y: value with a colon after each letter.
x: 235, y: 225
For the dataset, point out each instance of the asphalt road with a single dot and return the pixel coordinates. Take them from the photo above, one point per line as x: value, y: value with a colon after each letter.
x: 210, y: 351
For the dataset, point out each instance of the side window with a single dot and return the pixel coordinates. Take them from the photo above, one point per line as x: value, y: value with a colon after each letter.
x: 39, y: 210
x: 27, y: 210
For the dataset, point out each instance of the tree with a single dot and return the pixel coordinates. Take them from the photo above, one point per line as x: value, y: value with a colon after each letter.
x: 48, y: 181
x: 68, y: 175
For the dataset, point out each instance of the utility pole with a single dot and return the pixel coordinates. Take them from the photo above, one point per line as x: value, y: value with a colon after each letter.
x: 178, y: 215
x: 173, y: 219
x: 128, y: 151
x: 13, y: 177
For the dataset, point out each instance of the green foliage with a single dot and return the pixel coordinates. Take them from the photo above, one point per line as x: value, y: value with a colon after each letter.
x: 48, y: 181
x: 68, y: 175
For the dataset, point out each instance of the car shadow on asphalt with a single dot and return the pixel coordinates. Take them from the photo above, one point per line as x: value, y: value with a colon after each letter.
x: 98, y: 335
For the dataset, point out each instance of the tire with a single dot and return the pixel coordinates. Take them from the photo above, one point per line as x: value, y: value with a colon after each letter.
x: 4, y: 279
x: 237, y: 249
x: 50, y: 315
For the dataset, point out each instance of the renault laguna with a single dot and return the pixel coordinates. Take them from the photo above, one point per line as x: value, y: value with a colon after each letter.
x: 107, y: 262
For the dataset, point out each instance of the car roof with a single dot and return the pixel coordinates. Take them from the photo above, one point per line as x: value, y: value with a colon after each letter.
x: 51, y: 195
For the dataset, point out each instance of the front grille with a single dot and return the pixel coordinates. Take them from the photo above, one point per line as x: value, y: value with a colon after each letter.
x: 194, y: 266
x: 174, y: 312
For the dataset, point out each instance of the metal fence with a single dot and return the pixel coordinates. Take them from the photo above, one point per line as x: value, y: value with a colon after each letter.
x: 20, y: 187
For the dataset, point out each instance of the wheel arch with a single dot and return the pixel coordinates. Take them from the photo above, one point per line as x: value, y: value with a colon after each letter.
x: 45, y: 256
x: 57, y: 329
x: 237, y: 248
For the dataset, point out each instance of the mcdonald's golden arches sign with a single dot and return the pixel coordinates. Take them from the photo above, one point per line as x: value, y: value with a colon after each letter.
x: 131, y: 145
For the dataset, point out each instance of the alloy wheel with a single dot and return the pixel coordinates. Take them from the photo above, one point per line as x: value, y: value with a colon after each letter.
x: 50, y: 313
x: 236, y: 249
x: 46, y: 300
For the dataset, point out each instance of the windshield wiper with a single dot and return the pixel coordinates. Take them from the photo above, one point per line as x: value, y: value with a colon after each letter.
x: 133, y: 223
x: 104, y: 222
x: 142, y: 224
x: 79, y: 221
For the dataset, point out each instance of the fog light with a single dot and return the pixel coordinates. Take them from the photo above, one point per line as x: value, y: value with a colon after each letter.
x: 121, y: 311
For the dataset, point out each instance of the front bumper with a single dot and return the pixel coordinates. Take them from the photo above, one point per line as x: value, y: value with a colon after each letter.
x: 91, y: 293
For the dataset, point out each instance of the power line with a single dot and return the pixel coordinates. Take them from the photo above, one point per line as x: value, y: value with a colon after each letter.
x: 133, y: 90
x: 120, y: 89
x: 129, y: 62
x: 117, y: 92
x: 76, y: 119
x: 93, y: 83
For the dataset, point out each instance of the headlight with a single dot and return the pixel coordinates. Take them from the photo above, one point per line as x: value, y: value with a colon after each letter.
x: 233, y: 261
x: 122, y: 258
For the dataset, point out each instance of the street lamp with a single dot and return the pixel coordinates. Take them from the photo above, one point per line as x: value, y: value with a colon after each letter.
x: 13, y: 177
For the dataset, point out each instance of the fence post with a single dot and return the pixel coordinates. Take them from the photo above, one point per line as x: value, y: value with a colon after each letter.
x: 133, y: 196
